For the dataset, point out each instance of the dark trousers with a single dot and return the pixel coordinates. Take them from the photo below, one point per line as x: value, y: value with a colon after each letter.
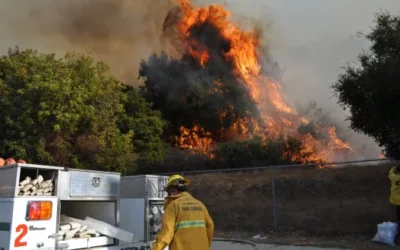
x: 398, y: 214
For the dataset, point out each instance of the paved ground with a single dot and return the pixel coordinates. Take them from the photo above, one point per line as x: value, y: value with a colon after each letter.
x: 238, y: 246
x: 276, y: 247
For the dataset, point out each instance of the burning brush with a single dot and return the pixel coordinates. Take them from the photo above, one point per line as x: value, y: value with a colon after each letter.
x: 211, y: 44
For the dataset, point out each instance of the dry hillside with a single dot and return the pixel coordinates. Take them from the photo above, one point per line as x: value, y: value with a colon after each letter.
x: 324, y: 202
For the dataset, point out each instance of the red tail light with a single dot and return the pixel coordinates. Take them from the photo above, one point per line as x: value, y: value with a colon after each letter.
x: 39, y: 210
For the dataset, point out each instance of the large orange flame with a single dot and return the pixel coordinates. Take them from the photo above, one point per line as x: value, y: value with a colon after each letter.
x: 279, y: 118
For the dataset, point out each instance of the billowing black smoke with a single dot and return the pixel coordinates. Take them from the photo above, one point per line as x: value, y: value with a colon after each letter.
x: 189, y: 93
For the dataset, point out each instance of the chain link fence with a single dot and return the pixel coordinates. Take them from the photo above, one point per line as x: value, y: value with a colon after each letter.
x: 345, y: 198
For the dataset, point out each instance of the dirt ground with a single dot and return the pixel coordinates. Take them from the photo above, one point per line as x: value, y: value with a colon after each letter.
x: 354, y: 241
x: 332, y: 207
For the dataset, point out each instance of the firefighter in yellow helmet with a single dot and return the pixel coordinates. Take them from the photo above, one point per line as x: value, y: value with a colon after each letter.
x: 186, y: 224
x: 394, y: 176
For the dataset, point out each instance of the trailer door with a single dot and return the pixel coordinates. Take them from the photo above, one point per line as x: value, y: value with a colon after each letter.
x: 34, y: 223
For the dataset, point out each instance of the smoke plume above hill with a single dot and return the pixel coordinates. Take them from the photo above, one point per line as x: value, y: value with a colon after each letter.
x: 120, y: 32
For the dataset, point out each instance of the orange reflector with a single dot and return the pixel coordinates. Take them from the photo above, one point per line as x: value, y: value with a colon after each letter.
x: 39, y: 210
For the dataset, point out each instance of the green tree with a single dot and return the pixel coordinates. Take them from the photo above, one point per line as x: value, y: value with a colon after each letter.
x: 65, y: 111
x: 256, y: 151
x: 371, y: 91
x: 147, y: 125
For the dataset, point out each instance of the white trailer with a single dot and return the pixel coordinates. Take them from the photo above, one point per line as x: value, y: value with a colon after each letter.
x: 142, y: 205
x: 37, y: 203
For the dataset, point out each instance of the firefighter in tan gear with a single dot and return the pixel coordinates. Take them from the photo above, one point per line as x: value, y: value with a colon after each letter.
x: 394, y: 176
x: 186, y: 224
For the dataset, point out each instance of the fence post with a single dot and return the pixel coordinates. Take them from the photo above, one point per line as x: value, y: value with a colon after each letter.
x: 273, y: 197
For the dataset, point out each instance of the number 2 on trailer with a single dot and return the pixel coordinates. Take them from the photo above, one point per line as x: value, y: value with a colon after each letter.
x: 22, y: 229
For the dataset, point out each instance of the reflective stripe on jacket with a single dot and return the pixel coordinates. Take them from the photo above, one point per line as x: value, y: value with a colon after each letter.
x: 186, y: 225
x: 395, y: 187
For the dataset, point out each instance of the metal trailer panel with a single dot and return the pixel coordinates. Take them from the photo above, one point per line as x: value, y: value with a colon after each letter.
x: 10, y: 177
x: 93, y: 185
x: 141, y: 186
x: 25, y: 165
x: 136, y: 216
x: 154, y: 219
x: 132, y: 213
x: 141, y: 193
x: 6, y: 208
x: 31, y: 234
x: 63, y: 183
x: 8, y: 182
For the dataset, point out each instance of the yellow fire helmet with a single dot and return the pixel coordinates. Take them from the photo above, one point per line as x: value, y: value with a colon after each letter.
x: 176, y: 180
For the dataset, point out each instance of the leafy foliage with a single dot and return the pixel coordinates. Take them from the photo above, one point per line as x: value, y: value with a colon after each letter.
x: 146, y: 124
x: 235, y: 154
x: 252, y: 151
x: 69, y: 112
x: 256, y: 151
x: 371, y: 91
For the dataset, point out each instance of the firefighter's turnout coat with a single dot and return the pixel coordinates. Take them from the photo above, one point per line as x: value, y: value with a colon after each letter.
x: 186, y: 225
x: 395, y: 186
